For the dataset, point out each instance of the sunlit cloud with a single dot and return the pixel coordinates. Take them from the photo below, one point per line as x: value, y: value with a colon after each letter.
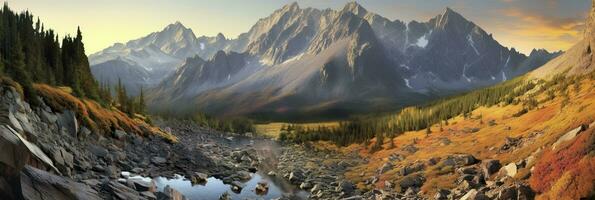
x: 551, y: 32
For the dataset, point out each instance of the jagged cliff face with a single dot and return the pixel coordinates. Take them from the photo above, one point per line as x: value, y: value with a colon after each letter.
x: 577, y: 60
x: 302, y: 58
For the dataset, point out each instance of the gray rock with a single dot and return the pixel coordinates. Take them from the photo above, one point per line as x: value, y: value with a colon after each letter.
x: 38, y: 185
x: 509, y: 170
x: 119, y: 135
x: 346, y: 187
x: 296, y: 176
x: 413, y: 180
x: 473, y: 194
x: 386, y: 167
x: 305, y: 186
x: 262, y: 187
x: 237, y: 186
x: 98, y: 151
x: 244, y: 175
x: 569, y: 135
x: 199, y: 177
x: 442, y: 194
x: 170, y: 194
x: 16, y: 151
x: 84, y: 132
x: 490, y: 167
x: 411, y: 169
x: 148, y: 195
x: 67, y: 120
x: 158, y: 160
x: 143, y: 186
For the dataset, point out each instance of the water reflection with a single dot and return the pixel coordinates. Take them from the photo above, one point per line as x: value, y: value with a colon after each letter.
x: 214, y: 188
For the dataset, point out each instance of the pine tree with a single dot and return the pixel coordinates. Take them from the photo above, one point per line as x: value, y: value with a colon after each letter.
x: 141, y: 102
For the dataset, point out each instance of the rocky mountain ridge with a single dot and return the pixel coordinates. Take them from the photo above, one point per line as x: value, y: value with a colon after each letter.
x: 309, y: 60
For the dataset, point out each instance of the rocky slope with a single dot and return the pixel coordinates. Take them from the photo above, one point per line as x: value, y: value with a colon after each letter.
x: 310, y: 61
x: 53, y: 154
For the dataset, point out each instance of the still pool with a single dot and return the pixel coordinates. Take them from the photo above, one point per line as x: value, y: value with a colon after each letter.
x: 214, y: 188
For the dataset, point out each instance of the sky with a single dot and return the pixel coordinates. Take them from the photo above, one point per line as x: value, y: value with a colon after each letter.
x: 522, y: 24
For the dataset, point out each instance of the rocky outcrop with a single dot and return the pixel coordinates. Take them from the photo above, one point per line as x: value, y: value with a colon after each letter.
x: 39, y: 185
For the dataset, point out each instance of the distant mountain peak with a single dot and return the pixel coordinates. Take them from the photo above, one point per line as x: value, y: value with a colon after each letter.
x: 291, y: 7
x: 175, y: 26
x: 355, y: 8
x: 220, y: 36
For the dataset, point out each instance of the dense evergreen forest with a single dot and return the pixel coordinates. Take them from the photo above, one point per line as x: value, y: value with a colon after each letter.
x: 30, y: 53
x: 363, y: 129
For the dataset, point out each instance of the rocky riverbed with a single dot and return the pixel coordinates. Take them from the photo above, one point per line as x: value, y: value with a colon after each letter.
x: 49, y: 154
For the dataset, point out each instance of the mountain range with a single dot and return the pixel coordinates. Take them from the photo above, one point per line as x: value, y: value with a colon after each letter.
x: 305, y: 61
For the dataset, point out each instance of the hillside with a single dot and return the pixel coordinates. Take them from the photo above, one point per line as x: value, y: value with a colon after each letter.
x: 523, y: 142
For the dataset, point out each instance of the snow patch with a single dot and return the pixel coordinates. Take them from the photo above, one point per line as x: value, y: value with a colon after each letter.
x: 297, y: 57
x: 407, y: 83
x: 202, y: 46
x: 405, y: 66
x: 472, y: 44
x: 504, y: 76
x: 423, y: 41
x: 465, y: 73
x: 493, y: 78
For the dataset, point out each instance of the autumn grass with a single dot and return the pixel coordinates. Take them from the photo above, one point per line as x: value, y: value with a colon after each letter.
x: 95, y: 116
x: 273, y: 129
x: 542, y: 125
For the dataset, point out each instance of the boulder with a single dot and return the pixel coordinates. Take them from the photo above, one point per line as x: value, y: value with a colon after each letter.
x: 305, y: 186
x: 158, y: 160
x: 411, y: 169
x: 237, y: 186
x: 473, y: 194
x: 296, y: 176
x: 346, y: 187
x: 142, y: 185
x: 413, y: 180
x: 17, y: 151
x: 120, y: 191
x: 569, y: 135
x: 39, y: 184
x: 489, y: 167
x: 386, y: 167
x: 442, y: 194
x: 148, y: 195
x: 465, y: 159
x: 199, y: 177
x: 516, y: 191
x: 262, y: 187
x: 509, y: 170
x: 170, y: 194
x: 98, y: 151
x: 244, y: 175
x: 119, y: 135
x: 467, y: 170
x: 67, y: 121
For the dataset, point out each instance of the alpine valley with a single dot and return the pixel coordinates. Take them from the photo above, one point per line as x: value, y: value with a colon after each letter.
x: 309, y: 103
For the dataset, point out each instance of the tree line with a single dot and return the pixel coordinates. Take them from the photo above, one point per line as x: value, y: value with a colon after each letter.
x: 30, y: 53
x: 363, y: 129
